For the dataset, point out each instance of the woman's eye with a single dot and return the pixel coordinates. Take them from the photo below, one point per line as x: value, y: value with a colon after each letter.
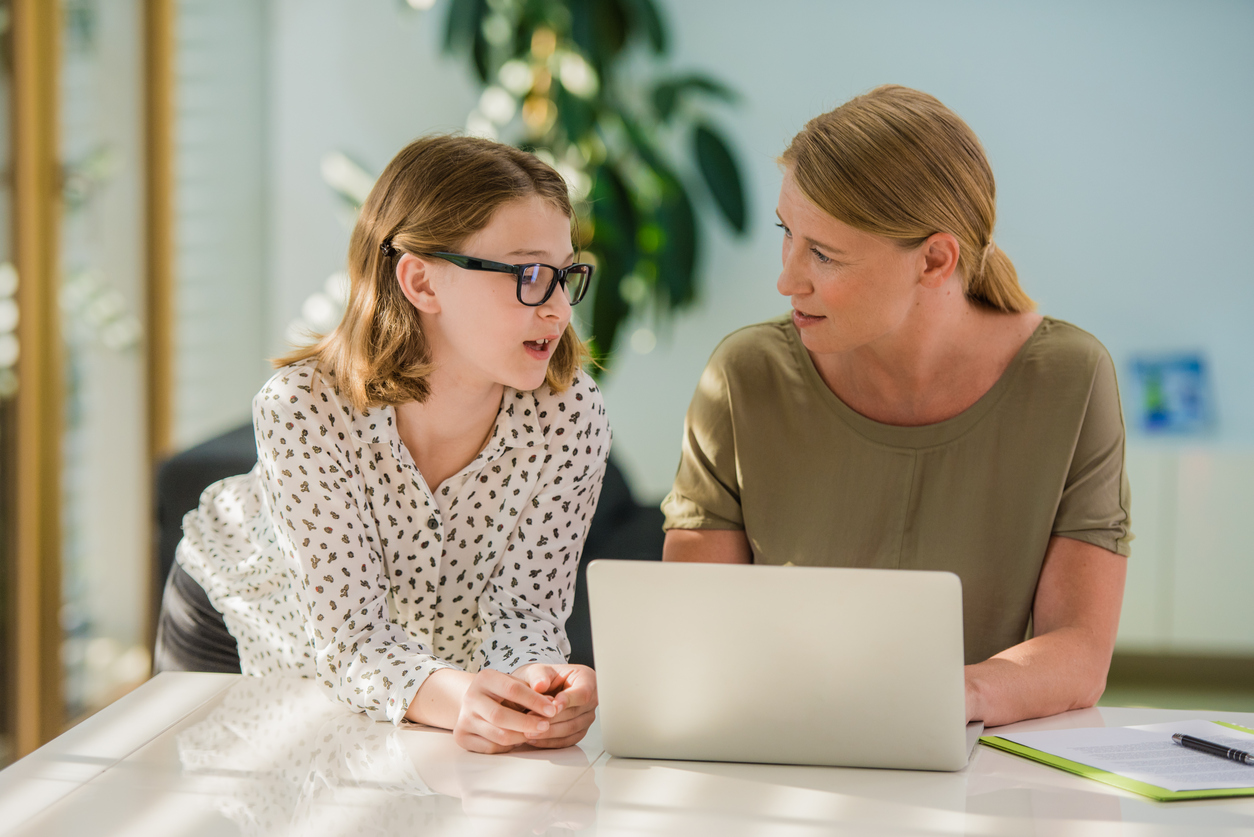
x: 822, y: 259
x: 785, y: 229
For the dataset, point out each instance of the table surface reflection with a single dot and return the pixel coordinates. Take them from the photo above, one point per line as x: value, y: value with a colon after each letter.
x: 211, y: 754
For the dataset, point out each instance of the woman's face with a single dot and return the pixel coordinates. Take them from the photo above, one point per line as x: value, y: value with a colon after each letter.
x: 848, y: 288
x: 479, y: 330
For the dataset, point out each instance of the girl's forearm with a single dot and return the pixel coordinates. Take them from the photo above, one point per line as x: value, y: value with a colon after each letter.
x: 439, y: 699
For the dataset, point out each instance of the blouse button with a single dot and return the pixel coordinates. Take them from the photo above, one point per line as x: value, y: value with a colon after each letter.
x: 432, y: 523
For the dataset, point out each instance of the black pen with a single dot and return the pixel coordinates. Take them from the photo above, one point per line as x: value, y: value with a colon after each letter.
x: 1211, y: 747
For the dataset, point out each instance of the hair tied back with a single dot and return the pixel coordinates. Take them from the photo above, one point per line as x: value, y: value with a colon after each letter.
x: 984, y: 256
x: 387, y: 248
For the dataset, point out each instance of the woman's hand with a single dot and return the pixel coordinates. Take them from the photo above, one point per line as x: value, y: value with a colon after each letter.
x: 501, y: 711
x: 573, y: 689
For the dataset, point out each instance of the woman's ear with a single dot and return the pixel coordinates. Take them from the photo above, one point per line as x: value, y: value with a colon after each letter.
x: 940, y: 259
x: 414, y: 277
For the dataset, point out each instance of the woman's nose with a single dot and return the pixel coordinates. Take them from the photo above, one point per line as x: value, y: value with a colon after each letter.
x: 788, y: 283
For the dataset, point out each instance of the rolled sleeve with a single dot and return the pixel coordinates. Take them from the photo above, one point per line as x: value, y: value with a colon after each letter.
x: 706, y: 492
x: 1095, y: 506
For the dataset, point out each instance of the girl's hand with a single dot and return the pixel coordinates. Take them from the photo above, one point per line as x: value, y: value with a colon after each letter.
x: 499, y: 712
x: 574, y: 692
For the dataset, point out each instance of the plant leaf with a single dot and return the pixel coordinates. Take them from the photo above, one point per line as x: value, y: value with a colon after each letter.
x: 578, y: 117
x: 643, y: 145
x: 668, y: 92
x: 677, y: 257
x: 465, y: 17
x: 718, y: 167
x: 599, y: 29
x: 479, y: 53
x: 614, y: 242
x: 645, y: 14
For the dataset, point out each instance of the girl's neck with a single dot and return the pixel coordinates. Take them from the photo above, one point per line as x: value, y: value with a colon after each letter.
x: 447, y: 431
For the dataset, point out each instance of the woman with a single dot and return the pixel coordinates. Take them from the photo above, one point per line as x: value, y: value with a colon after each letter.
x: 914, y: 412
x: 427, y: 472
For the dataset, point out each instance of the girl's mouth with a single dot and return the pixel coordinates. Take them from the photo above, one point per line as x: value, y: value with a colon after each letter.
x: 539, y: 348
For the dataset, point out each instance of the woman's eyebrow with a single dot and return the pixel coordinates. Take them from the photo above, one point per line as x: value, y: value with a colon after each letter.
x: 815, y: 241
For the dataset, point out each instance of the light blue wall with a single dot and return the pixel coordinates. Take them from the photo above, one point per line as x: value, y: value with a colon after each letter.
x: 1120, y: 134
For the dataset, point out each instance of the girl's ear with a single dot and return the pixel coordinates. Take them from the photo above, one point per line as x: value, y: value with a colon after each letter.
x: 940, y: 259
x: 414, y: 277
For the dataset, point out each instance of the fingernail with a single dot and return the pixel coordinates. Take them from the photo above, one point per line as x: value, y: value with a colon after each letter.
x: 542, y: 726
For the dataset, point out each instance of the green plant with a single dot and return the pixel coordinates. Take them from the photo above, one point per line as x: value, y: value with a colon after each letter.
x: 561, y: 79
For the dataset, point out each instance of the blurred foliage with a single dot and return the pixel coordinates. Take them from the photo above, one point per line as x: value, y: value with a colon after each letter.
x: 561, y: 79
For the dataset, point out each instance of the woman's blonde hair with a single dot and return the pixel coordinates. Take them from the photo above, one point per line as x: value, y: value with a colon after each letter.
x: 896, y: 162
x: 436, y: 193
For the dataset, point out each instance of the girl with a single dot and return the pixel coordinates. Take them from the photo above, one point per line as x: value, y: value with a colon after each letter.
x: 427, y: 472
x: 914, y: 412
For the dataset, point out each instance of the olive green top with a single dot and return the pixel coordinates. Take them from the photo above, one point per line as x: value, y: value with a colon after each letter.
x: 770, y: 449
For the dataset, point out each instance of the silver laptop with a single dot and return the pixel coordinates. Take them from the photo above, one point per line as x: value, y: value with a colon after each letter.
x: 780, y: 665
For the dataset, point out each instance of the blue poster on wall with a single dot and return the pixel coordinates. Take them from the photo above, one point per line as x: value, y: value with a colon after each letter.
x: 1173, y: 394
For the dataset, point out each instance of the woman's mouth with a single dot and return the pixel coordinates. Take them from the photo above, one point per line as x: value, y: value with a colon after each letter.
x: 803, y: 320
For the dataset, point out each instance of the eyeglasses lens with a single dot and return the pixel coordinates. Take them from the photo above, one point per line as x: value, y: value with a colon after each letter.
x: 535, y: 283
x: 577, y: 282
x: 536, y: 280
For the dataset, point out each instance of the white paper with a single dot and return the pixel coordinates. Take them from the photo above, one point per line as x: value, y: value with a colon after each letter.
x: 1148, y: 754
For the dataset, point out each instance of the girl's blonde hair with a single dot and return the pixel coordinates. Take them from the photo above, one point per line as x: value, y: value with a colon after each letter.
x: 436, y: 193
x: 896, y: 162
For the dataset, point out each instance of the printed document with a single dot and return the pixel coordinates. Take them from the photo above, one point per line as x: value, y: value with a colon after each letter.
x: 1147, y: 754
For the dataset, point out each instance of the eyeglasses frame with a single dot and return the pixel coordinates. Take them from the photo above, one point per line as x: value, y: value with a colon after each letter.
x: 559, y: 273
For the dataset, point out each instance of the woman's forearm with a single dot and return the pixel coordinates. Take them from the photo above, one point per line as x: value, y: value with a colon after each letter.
x: 1059, y: 671
x: 439, y: 698
x: 1075, y: 614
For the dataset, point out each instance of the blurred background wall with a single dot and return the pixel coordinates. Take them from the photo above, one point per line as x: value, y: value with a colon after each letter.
x: 1118, y: 133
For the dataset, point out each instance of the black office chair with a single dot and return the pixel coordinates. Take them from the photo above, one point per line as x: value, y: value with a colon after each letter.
x: 192, y: 636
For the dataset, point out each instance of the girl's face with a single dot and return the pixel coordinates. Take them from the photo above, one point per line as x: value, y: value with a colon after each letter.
x: 848, y: 287
x: 475, y: 325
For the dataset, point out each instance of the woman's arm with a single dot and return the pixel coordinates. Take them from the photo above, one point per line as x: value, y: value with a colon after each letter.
x: 710, y: 546
x: 1075, y: 617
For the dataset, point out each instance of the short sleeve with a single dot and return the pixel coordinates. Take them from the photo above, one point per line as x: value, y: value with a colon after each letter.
x: 1095, y: 506
x: 706, y: 493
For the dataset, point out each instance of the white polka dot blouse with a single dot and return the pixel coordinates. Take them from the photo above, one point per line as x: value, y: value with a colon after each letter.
x: 333, y: 559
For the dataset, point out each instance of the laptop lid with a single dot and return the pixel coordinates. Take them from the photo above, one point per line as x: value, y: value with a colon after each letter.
x: 781, y: 665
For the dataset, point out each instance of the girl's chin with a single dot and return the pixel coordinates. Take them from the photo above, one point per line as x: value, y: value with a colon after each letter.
x: 526, y: 380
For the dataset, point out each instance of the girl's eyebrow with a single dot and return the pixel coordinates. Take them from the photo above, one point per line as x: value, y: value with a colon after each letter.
x: 816, y: 242
x: 535, y: 254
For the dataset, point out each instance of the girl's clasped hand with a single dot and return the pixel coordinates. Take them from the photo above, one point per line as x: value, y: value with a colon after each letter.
x: 543, y: 705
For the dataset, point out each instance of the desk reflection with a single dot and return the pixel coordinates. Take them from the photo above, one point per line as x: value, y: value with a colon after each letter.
x: 295, y: 763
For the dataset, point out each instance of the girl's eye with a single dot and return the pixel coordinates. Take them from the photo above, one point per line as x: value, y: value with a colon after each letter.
x: 785, y: 229
x: 822, y: 259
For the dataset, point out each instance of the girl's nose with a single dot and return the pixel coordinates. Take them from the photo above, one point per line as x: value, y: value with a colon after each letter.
x: 557, y: 306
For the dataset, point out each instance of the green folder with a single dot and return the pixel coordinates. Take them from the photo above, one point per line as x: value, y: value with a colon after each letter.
x: 1115, y: 779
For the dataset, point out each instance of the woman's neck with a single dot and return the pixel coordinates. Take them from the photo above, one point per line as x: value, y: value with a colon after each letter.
x: 446, y: 432
x: 944, y: 357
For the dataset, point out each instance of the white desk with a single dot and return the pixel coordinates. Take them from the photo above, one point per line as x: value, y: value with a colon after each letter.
x: 211, y: 754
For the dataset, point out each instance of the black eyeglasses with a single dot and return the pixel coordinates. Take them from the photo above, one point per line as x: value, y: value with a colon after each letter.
x: 535, y: 281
